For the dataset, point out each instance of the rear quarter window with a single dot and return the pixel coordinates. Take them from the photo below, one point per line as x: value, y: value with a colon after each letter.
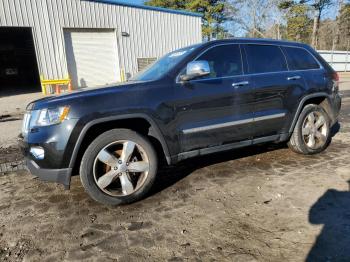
x: 300, y: 59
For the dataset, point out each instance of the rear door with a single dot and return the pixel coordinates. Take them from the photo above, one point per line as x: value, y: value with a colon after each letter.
x: 275, y: 89
x: 303, y: 63
x: 218, y: 108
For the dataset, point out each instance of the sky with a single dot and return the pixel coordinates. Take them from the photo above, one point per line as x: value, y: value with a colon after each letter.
x: 133, y: 2
x: 329, y: 13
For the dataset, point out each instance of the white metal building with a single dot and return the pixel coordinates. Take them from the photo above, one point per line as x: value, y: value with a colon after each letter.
x: 95, y: 42
x: 339, y: 60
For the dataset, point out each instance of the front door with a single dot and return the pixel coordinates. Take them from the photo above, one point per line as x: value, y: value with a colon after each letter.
x: 218, y: 108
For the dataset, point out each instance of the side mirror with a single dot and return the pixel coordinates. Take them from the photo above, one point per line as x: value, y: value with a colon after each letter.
x: 196, y: 69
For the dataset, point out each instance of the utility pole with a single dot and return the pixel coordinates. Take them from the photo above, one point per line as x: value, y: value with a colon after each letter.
x: 347, y: 55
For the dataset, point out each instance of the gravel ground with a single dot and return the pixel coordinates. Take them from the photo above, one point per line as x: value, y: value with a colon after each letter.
x: 9, y: 131
x: 14, y: 103
x: 10, y: 154
x: 261, y: 203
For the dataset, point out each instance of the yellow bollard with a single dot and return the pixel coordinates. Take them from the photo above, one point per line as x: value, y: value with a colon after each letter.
x: 43, y: 86
x: 122, y: 75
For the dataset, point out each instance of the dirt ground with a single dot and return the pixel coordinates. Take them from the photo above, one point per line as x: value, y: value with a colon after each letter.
x: 14, y: 102
x: 10, y: 154
x: 262, y: 203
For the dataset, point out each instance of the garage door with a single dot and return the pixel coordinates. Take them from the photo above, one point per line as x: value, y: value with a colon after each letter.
x: 92, y: 57
x: 18, y: 64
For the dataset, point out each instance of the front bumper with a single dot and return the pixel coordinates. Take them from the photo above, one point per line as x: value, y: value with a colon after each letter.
x: 53, y: 164
x: 61, y: 176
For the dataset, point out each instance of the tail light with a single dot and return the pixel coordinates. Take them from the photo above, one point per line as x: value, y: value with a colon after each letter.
x: 335, y: 77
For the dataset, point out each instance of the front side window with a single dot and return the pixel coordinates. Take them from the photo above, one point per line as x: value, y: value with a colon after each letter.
x: 300, y: 59
x: 224, y: 61
x: 265, y: 59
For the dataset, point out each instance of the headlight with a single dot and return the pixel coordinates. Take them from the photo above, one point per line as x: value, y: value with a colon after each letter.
x: 52, y: 116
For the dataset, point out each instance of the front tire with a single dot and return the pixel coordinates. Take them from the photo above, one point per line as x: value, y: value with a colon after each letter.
x: 311, y: 133
x: 118, y: 167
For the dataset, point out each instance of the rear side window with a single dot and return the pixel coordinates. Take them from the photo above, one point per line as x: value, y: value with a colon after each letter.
x: 300, y: 59
x: 224, y: 60
x: 265, y: 59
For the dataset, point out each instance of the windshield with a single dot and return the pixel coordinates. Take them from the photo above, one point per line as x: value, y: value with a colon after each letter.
x: 163, y: 65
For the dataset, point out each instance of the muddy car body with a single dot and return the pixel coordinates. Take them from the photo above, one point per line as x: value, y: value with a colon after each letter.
x: 198, y: 100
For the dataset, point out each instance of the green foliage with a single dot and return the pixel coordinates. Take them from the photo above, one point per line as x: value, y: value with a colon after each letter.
x: 214, y: 12
x: 299, y: 24
x: 318, y: 4
x: 285, y: 5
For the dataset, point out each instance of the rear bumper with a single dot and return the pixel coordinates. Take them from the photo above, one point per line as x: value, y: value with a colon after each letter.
x: 61, y: 176
x: 335, y: 106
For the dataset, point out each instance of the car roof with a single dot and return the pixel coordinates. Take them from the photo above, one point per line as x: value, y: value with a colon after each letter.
x: 255, y: 41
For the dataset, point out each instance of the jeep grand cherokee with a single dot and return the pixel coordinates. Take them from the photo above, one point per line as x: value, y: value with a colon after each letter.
x: 194, y: 101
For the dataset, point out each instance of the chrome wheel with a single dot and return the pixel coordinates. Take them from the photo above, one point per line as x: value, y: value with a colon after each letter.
x: 315, y: 130
x: 121, y: 168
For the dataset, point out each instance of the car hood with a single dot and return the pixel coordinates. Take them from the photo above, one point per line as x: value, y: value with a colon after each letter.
x: 84, y: 93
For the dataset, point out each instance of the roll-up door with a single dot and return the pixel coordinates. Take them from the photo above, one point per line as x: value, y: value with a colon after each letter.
x: 92, y: 57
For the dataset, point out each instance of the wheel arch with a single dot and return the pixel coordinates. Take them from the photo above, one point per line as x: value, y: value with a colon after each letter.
x: 320, y: 98
x: 151, y: 130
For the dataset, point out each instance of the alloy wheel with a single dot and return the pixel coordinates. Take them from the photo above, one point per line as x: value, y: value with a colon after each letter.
x: 315, y: 130
x: 121, y: 168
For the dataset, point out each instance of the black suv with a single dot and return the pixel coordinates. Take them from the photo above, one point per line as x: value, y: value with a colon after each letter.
x: 194, y: 101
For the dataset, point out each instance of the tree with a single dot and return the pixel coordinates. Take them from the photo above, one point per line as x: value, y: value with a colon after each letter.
x: 298, y: 21
x: 318, y: 6
x: 215, y: 13
x: 326, y: 35
x: 343, y: 21
x: 253, y: 15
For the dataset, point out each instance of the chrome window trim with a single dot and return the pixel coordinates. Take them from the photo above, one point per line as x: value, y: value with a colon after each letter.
x: 231, y: 123
x: 286, y: 45
x: 253, y: 74
x: 291, y: 71
x: 215, y: 78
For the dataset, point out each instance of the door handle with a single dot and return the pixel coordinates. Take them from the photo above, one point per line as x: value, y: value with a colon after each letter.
x: 238, y: 84
x: 293, y: 78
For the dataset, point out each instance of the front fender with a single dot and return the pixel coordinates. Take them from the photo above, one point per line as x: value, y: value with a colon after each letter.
x: 154, y: 131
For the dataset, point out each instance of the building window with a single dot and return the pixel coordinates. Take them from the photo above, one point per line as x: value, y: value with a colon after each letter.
x: 142, y: 63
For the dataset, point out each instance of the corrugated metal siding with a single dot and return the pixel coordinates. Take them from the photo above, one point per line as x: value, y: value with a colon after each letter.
x: 339, y: 60
x: 152, y: 33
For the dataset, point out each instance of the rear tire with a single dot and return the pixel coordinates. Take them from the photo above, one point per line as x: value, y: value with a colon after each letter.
x: 312, y: 132
x: 126, y: 160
